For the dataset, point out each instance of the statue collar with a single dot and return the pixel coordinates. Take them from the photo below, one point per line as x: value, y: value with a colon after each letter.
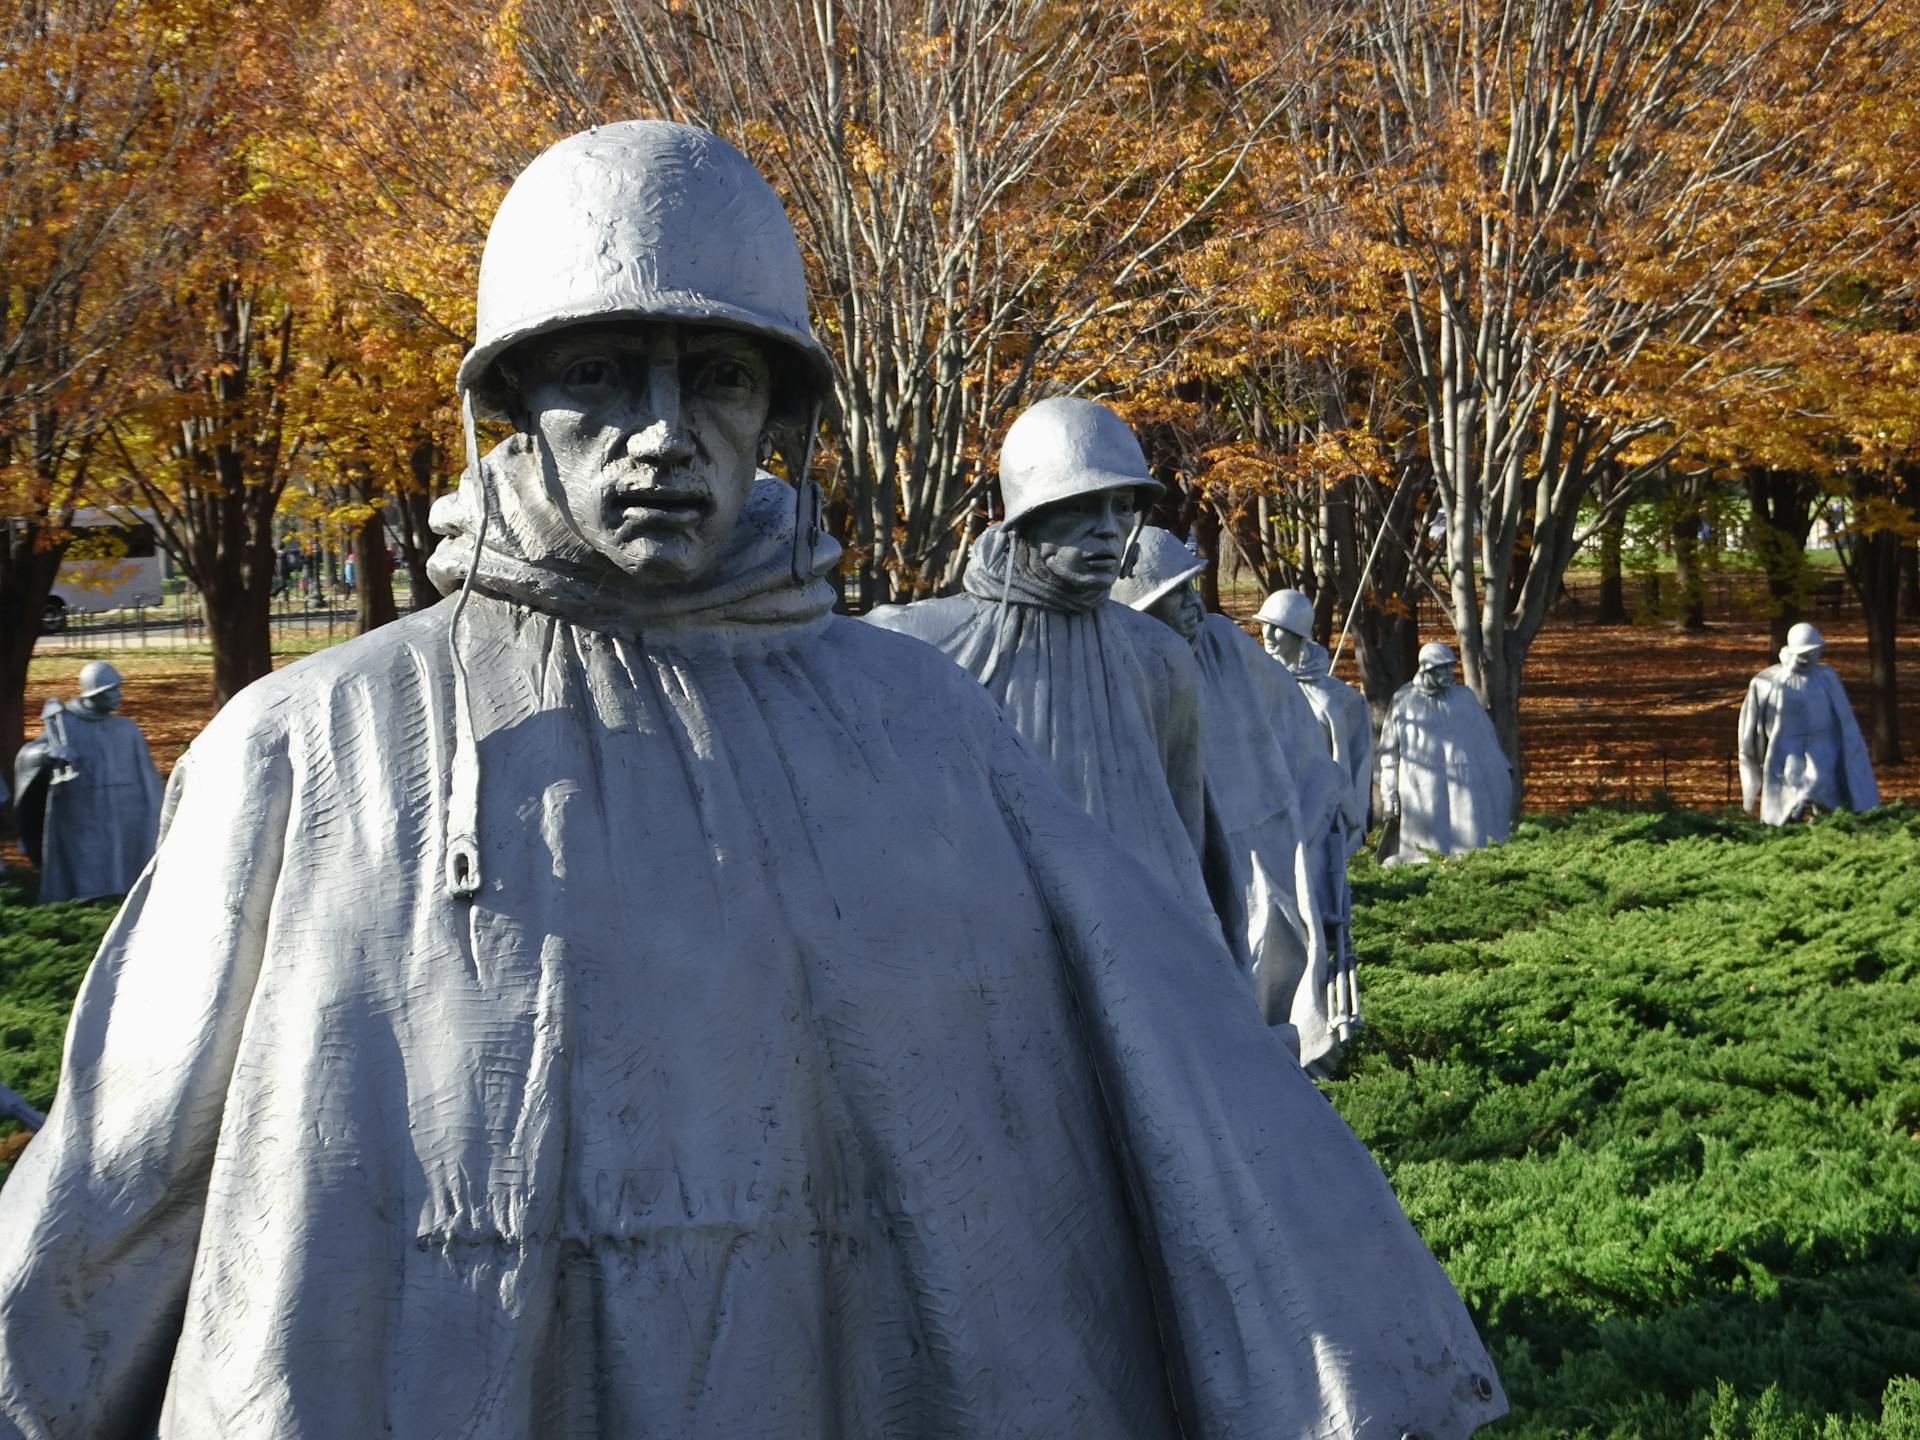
x: 1004, y: 568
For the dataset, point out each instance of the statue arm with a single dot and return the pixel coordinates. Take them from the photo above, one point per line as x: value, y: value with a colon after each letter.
x: 1752, y: 746
x: 99, y: 1221
x: 1388, y: 756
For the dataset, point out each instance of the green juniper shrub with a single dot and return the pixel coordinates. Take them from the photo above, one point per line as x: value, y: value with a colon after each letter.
x: 1648, y: 1085
x: 44, y: 952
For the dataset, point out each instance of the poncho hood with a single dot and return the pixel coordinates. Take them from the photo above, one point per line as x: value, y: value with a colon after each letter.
x: 1006, y: 569
x: 535, y: 555
x: 1312, y: 663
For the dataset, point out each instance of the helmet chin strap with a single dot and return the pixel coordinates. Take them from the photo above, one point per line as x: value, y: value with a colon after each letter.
x: 1130, y: 556
x: 461, y: 868
x: 807, y: 505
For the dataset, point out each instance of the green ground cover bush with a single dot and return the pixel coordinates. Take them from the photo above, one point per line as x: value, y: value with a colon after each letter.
x: 1649, y: 1085
x: 44, y: 952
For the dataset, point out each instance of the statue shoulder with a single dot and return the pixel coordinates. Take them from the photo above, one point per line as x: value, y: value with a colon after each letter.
x: 933, y: 621
x: 395, y: 659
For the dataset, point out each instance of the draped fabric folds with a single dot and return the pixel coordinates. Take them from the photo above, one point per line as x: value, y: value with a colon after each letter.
x: 1441, y: 760
x: 807, y: 1066
x: 1109, y: 697
x: 1279, y: 794
x: 101, y: 807
x: 1800, y: 745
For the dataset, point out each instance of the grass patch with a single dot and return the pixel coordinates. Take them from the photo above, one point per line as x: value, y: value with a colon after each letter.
x: 1650, y: 1087
x: 1648, y: 1084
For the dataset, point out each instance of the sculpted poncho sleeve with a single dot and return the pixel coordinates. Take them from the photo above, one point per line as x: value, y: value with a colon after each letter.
x: 1294, y: 1296
x: 102, y: 1214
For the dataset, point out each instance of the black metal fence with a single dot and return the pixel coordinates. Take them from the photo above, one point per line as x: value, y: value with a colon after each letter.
x: 309, y: 613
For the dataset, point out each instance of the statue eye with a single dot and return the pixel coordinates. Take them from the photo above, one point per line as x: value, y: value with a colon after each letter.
x: 591, y: 372
x: 724, y: 373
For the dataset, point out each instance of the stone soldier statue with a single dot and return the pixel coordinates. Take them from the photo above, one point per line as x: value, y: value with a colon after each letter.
x: 644, y: 1003
x: 1801, y: 752
x: 1286, y: 624
x: 1277, y: 793
x: 1444, y: 779
x: 1108, y: 697
x: 88, y: 804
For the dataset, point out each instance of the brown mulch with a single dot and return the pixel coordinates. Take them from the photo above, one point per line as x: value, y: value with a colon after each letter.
x: 1608, y: 712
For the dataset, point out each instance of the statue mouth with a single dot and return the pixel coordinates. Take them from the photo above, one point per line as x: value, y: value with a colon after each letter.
x: 635, y: 507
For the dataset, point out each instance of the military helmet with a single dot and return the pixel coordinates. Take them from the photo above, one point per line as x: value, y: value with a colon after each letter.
x: 1435, y: 656
x: 1288, y: 610
x: 97, y: 677
x: 1066, y: 447
x: 1162, y: 563
x: 1804, y: 639
x: 642, y: 220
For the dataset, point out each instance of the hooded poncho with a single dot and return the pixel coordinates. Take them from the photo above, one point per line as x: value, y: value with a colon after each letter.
x: 102, y: 805
x: 1441, y: 759
x: 1349, y: 725
x: 805, y: 1066
x: 1108, y: 696
x: 1800, y: 744
x: 1278, y: 794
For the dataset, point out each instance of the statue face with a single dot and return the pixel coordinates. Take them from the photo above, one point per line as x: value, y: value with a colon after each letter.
x: 104, y: 703
x: 1435, y: 678
x: 1179, y: 610
x: 652, y: 432
x: 1283, y: 643
x: 1082, y: 540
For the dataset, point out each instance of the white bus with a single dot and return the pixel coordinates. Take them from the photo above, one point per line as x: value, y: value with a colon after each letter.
x: 112, y: 563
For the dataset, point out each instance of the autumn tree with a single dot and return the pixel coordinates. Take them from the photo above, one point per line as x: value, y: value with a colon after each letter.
x: 978, y: 186
x: 1585, y: 207
x: 411, y: 120
x: 93, y: 113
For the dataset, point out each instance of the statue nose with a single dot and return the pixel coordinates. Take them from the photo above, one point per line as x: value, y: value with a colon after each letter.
x: 664, y: 442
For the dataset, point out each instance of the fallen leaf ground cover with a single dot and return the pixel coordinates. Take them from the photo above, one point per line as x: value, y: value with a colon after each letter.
x: 1649, y: 1084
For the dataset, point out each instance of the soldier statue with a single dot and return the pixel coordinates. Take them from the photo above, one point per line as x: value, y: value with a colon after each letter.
x: 1801, y: 752
x: 87, y: 797
x: 1278, y: 794
x: 633, y: 1000
x: 1444, y: 779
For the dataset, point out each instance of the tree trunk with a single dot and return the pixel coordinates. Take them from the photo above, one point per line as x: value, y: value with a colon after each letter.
x: 1910, y: 582
x: 413, y: 506
x: 1686, y: 576
x: 1501, y: 696
x: 1876, y: 569
x: 372, y: 576
x: 241, y: 634
x: 27, y: 571
x: 1782, y: 507
x: 1613, y: 590
x: 1207, y: 521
